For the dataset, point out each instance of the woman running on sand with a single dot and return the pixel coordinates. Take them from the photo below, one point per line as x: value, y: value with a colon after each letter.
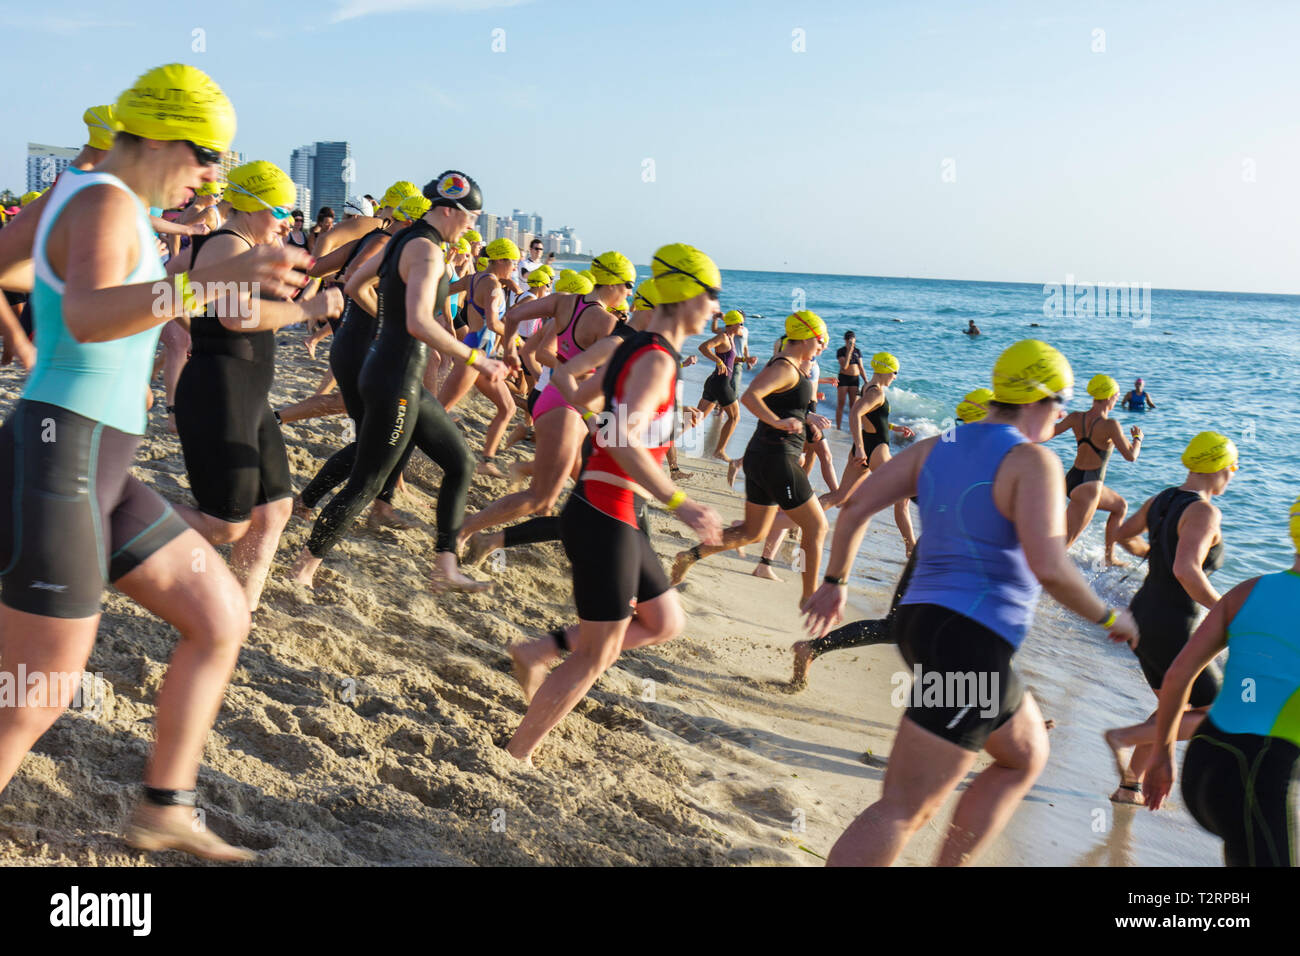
x: 84, y: 518
x: 779, y: 398
x: 352, y: 341
x: 485, y: 303
x: 992, y: 533
x: 723, y: 352
x: 1184, y: 530
x: 869, y: 425
x: 1241, y: 770
x: 407, y: 289
x: 1096, y: 434
x: 619, y: 588
x: 865, y: 633
x: 575, y: 323
x: 234, y: 453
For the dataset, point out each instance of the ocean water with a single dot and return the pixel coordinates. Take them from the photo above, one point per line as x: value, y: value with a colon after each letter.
x: 1211, y: 360
x: 1223, y: 361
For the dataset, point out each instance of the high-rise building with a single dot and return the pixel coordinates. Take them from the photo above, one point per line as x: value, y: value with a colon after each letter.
x: 229, y: 161
x: 334, y: 176
x: 44, y: 163
x: 324, y: 175
x: 487, y: 226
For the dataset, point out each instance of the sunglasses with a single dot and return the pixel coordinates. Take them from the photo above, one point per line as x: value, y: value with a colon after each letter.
x: 204, y: 156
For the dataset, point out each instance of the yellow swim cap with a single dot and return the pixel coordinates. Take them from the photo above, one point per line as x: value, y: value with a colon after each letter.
x: 1209, y: 452
x: 471, y: 235
x: 462, y: 245
x: 575, y: 282
x: 804, y: 325
x: 27, y: 197
x: 260, y: 185
x: 501, y: 249
x: 612, y: 268
x: 682, y: 272
x: 210, y: 189
x: 644, y: 298
x: 538, y: 278
x: 482, y: 263
x: 974, y: 406
x: 733, y: 317
x: 177, y: 102
x: 413, y: 207
x: 1102, y: 387
x: 1031, y: 371
x: 884, y: 363
x: 397, y: 192
x: 547, y: 269
x: 1295, y: 523
x: 99, y: 124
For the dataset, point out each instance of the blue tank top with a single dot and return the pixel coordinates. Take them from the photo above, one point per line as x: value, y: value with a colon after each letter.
x: 969, y: 558
x: 103, y: 381
x: 1261, y: 681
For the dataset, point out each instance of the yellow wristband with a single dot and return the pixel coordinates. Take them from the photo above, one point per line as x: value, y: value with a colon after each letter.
x: 1110, y: 619
x: 473, y: 356
x: 185, y: 294
x: 588, y: 414
x: 673, y: 503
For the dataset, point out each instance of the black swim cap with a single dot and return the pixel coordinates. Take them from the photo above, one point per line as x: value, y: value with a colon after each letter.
x: 454, y: 188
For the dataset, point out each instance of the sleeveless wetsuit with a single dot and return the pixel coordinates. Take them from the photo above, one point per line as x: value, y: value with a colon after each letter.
x: 612, y: 559
x: 1165, y: 612
x: 1242, y: 768
x: 972, y: 596
x: 234, y: 452
x: 879, y: 420
x: 1077, y: 476
x: 771, y: 462
x: 74, y: 517
x: 398, y: 411
x: 352, y: 340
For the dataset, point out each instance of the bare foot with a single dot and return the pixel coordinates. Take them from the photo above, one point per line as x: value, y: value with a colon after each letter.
x: 1114, y: 562
x: 681, y: 564
x: 477, y: 547
x: 530, y: 663
x: 172, y: 828
x: 679, y: 475
x: 386, y: 516
x: 519, y: 474
x: 1130, y: 786
x: 491, y: 469
x: 441, y: 581
x: 300, y: 510
x: 803, y: 656
x: 765, y: 571
x: 171, y: 423
x: 733, y: 468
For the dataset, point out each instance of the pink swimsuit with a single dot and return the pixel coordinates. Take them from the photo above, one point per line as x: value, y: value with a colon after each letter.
x: 566, y: 348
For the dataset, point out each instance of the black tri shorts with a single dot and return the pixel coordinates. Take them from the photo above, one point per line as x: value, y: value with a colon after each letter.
x: 74, y: 516
x: 613, y: 562
x: 964, y: 685
x: 773, y: 477
x: 720, y: 389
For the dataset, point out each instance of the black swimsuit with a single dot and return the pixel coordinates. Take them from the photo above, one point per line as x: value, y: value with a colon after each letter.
x: 772, y: 472
x: 1077, y: 476
x: 879, y: 419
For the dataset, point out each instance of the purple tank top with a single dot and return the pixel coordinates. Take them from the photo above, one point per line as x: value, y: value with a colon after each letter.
x: 969, y: 558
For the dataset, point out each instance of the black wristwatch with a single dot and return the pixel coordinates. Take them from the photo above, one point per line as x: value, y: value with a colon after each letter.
x: 838, y: 582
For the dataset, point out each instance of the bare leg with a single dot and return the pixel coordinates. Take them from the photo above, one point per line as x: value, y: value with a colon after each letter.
x: 1079, y: 512
x: 252, y: 554
x: 758, y: 519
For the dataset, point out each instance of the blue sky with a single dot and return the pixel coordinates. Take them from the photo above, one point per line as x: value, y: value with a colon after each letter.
x: 1169, y: 158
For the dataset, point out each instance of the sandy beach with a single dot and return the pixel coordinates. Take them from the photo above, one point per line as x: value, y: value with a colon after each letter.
x: 364, y: 724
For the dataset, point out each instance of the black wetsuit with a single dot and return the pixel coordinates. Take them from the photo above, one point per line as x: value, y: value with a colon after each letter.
x: 1165, y: 612
x: 879, y: 419
x: 352, y: 339
x: 234, y: 452
x: 772, y: 472
x: 1077, y: 476
x: 398, y: 411
x: 866, y: 633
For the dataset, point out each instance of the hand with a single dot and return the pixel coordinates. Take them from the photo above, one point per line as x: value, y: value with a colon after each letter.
x: 701, y: 519
x: 692, y: 413
x: 821, y: 421
x: 690, y: 361
x: 325, y: 306
x: 491, y: 369
x: 1158, y: 778
x: 722, y: 368
x: 1125, y: 629
x: 21, y: 349
x: 790, y: 425
x: 751, y: 361
x: 199, y: 229
x: 905, y: 431
x: 857, y: 458
x: 162, y: 246
x: 1136, y: 432
x: 825, y: 608
x: 821, y: 396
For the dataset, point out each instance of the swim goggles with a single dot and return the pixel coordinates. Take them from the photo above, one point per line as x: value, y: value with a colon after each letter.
x: 712, y: 291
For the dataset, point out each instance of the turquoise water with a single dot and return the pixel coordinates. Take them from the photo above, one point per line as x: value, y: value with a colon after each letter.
x: 1211, y: 360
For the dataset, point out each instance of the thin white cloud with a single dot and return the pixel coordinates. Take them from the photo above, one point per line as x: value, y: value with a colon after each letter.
x: 354, y: 9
